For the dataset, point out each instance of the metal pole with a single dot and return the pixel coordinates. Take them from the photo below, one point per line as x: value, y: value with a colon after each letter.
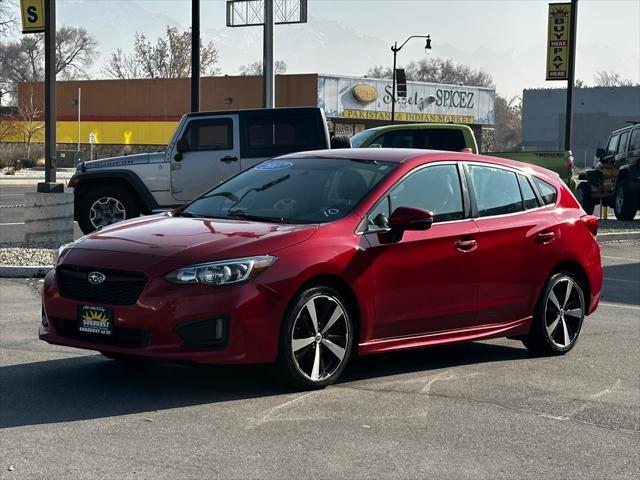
x: 79, y: 101
x: 195, y: 55
x: 50, y: 91
x: 267, y: 61
x: 571, y: 72
x: 393, y: 87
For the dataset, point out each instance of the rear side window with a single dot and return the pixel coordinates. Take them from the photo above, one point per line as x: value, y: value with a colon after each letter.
x: 634, y: 143
x: 278, y: 133
x: 210, y: 134
x: 547, y: 191
x: 496, y: 190
x: 435, y: 188
x: 528, y: 195
x: 395, y: 139
x: 448, y: 139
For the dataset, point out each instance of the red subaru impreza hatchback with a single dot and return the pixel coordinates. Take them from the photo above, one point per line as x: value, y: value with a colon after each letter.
x: 312, y: 258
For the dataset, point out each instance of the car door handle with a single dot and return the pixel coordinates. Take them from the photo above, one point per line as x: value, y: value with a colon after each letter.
x: 545, y: 237
x: 229, y: 159
x: 466, y: 245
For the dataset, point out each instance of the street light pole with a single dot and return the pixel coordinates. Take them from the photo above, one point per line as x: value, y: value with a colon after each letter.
x: 79, y: 102
x: 395, y: 49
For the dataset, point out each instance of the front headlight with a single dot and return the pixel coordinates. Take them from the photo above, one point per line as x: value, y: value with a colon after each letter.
x: 62, y: 251
x: 221, y: 273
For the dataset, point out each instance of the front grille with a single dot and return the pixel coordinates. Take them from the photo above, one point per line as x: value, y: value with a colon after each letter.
x: 119, y: 287
x: 121, y: 337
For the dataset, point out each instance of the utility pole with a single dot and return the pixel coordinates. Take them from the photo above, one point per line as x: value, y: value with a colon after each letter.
x: 195, y: 55
x: 49, y: 99
x: 571, y: 73
x: 79, y: 106
x: 268, y: 82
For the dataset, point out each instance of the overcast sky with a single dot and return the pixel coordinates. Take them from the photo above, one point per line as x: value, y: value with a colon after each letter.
x: 506, y: 38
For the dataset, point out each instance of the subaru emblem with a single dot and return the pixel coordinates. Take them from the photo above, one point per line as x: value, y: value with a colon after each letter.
x: 96, y: 278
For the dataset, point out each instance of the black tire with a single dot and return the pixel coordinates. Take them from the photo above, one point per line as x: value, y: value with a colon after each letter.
x: 87, y: 200
x: 555, y: 331
x: 625, y: 204
x: 583, y: 195
x: 297, y: 368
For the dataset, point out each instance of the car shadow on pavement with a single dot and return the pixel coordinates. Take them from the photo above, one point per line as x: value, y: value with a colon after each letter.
x: 621, y: 283
x: 87, y: 387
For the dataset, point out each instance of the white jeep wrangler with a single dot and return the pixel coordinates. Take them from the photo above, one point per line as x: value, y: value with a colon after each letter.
x: 205, y: 149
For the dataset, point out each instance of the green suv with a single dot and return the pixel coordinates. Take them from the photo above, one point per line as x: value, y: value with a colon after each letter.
x: 615, y: 178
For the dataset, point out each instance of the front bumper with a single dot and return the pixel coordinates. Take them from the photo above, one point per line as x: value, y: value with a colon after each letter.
x: 244, y: 318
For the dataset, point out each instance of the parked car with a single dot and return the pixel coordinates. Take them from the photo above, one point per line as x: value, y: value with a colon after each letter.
x: 205, y: 149
x: 457, y: 138
x: 312, y: 258
x: 615, y: 179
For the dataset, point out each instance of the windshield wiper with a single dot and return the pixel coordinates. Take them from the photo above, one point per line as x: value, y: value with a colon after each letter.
x: 247, y: 216
x: 261, y: 188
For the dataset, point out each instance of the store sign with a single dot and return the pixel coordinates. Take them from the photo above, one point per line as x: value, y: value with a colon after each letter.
x: 409, y: 117
x: 558, y: 41
x: 32, y: 16
x: 371, y: 99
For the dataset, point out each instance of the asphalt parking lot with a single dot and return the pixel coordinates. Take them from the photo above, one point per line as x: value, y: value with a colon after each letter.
x: 480, y: 410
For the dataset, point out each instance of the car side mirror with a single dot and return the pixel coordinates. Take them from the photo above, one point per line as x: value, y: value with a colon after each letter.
x: 600, y: 152
x: 408, y: 218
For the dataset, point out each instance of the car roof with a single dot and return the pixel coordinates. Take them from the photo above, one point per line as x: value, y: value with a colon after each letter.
x: 398, y: 155
x: 413, y: 126
x: 628, y: 127
x: 251, y: 110
x: 404, y: 155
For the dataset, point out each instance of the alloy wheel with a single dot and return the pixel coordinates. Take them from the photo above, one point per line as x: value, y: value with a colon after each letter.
x: 320, y: 337
x: 105, y: 211
x: 564, y: 312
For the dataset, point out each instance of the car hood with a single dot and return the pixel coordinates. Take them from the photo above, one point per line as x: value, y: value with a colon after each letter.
x: 163, y: 240
x: 121, y: 161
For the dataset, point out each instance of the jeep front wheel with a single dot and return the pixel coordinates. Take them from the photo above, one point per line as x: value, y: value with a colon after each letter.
x: 625, y: 204
x: 583, y: 195
x: 105, y: 206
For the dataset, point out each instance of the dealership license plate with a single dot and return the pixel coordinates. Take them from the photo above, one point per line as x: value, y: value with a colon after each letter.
x: 95, y: 319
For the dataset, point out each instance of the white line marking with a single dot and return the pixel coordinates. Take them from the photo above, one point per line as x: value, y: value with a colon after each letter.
x: 621, y: 258
x: 631, y: 307
x: 284, y: 405
x: 621, y: 280
x: 7, y: 224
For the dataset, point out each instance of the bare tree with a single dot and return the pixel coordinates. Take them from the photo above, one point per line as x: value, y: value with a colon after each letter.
x: 255, y: 68
x: 168, y: 57
x: 508, y: 122
x: 23, y: 60
x: 438, y: 70
x: 8, y: 126
x: 8, y: 18
x: 611, y: 79
x: 31, y: 116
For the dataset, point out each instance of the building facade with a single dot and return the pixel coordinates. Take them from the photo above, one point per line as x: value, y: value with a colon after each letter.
x: 133, y: 113
x: 596, y: 112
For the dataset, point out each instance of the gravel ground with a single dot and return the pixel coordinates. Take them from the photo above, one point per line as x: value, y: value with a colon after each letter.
x: 618, y: 226
x: 27, y: 256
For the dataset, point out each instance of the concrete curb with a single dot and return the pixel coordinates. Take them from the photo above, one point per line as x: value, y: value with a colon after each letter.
x: 615, y: 236
x: 16, y: 271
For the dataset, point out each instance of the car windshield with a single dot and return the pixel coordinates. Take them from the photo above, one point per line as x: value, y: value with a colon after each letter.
x: 359, y: 138
x: 292, y: 190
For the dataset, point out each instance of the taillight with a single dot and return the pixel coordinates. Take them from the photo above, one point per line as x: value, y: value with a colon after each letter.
x: 570, y: 162
x: 591, y: 221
